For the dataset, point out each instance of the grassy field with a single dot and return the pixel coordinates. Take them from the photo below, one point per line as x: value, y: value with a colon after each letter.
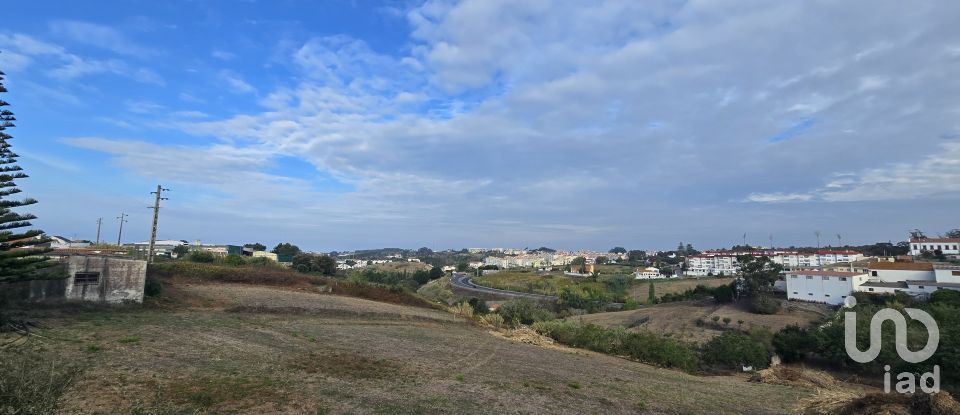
x: 554, y: 282
x: 693, y: 320
x: 232, y: 348
x: 551, y: 283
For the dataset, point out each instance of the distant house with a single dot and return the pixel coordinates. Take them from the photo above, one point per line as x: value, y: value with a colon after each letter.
x: 918, y: 279
x: 648, y: 273
x: 949, y: 246
x: 161, y: 247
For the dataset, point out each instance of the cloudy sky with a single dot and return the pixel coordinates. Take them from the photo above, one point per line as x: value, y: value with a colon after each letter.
x: 571, y: 124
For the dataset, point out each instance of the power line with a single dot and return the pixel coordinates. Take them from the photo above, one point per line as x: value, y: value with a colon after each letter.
x: 156, y: 218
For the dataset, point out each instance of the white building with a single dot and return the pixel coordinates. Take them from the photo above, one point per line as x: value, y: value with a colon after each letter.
x: 648, y: 273
x: 949, y: 246
x: 725, y: 262
x: 831, y: 287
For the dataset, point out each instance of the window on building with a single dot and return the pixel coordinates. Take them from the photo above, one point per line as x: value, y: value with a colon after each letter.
x: 794, y: 292
x: 843, y: 296
x: 955, y: 273
x: 874, y: 273
x: 920, y: 287
x: 86, y: 278
x: 809, y: 277
x: 793, y: 276
x: 826, y: 295
x: 843, y: 278
x: 869, y: 289
x: 809, y: 293
x: 826, y: 278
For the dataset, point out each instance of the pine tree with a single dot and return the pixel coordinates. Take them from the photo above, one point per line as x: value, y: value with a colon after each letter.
x: 16, y: 262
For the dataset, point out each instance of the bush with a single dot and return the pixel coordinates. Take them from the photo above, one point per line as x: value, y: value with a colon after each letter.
x: 152, y: 287
x: 262, y: 261
x: 233, y: 260
x: 523, y: 311
x: 793, y: 343
x: 644, y: 346
x: 945, y: 297
x: 732, y: 349
x: 479, y: 306
x: 202, y: 257
x: 723, y: 294
x: 764, y: 305
x: 31, y: 383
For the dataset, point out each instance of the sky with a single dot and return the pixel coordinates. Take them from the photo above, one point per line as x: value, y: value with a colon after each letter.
x: 344, y: 125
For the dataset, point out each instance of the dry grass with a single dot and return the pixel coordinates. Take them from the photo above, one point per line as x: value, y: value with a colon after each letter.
x: 203, y: 359
x: 641, y: 289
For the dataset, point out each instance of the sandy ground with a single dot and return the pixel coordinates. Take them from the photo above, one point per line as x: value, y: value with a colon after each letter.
x: 304, y: 352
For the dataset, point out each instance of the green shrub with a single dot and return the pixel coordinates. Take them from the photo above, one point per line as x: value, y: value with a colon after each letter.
x: 523, y: 311
x: 262, y: 261
x: 793, y: 343
x: 643, y: 346
x: 732, y: 349
x: 233, y: 260
x: 479, y: 306
x: 946, y: 297
x: 203, y: 257
x: 764, y: 305
x: 723, y: 294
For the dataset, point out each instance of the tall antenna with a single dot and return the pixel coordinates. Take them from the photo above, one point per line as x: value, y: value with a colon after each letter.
x: 99, y: 222
x: 771, y: 242
x: 156, y: 218
x: 123, y: 219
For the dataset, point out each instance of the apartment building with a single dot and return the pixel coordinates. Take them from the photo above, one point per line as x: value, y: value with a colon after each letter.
x: 831, y: 287
x: 725, y: 262
x: 882, y: 277
x: 949, y: 246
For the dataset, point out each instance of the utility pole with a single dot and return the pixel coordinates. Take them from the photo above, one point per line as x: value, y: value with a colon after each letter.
x: 99, y: 222
x: 156, y: 217
x: 122, y: 218
x: 771, y: 242
x: 839, y: 241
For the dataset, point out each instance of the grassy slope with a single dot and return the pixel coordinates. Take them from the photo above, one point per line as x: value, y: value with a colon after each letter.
x: 228, y: 348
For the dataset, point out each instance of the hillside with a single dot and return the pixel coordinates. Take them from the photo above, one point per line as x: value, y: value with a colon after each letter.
x: 231, y: 348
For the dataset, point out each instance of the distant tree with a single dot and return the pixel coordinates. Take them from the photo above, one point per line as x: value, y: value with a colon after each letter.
x: 202, y: 256
x: 578, y: 261
x: 424, y: 251
x: 233, y: 259
x: 618, y: 250
x: 690, y: 251
x: 545, y: 250
x: 953, y: 233
x: 15, y: 264
x: 759, y: 274
x: 636, y: 255
x: 350, y: 262
x: 681, y: 249
x: 651, y: 294
x: 435, y: 273
x: 600, y: 260
x: 479, y: 306
x: 181, y: 250
x: 323, y: 264
x: 463, y: 266
x: 917, y: 234
x: 256, y: 246
x: 286, y: 249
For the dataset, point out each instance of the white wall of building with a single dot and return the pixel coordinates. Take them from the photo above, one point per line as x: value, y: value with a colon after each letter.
x: 822, y: 286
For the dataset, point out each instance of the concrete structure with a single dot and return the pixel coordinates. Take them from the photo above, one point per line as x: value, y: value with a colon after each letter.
x: 161, y: 248
x: 94, y: 278
x: 648, y: 273
x: 831, y: 287
x: 949, y: 246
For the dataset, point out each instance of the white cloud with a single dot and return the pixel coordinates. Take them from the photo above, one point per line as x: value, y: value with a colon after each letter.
x: 222, y: 55
x: 778, y: 197
x: 100, y: 36
x: 236, y: 84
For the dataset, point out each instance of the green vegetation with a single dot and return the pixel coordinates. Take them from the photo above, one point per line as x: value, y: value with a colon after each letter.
x: 408, y: 280
x: 643, y: 346
x: 523, y: 311
x: 286, y: 249
x: 322, y: 264
x: 732, y: 349
x: 32, y: 383
x: 202, y: 257
x: 20, y: 264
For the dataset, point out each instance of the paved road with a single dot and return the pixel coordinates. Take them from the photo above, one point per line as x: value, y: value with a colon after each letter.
x: 465, y: 281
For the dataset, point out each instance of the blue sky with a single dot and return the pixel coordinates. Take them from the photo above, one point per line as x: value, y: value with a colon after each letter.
x: 344, y: 124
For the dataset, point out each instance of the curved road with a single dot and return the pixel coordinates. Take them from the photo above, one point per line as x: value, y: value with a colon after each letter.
x: 465, y: 281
